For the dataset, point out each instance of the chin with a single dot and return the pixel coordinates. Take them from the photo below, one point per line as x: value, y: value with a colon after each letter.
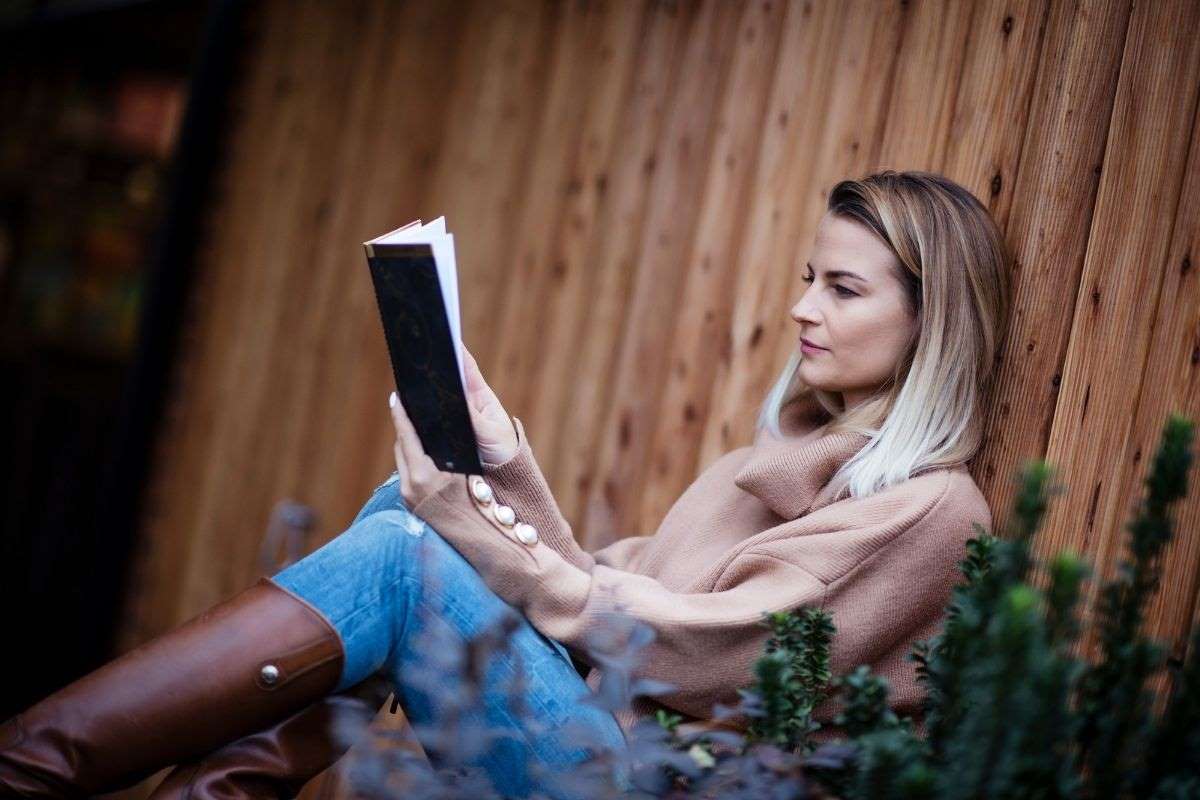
x: 811, y: 380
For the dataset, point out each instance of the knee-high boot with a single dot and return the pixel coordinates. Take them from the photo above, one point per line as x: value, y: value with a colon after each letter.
x: 278, y: 761
x: 237, y: 668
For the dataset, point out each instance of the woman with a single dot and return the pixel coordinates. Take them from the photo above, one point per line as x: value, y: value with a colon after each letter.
x: 853, y: 497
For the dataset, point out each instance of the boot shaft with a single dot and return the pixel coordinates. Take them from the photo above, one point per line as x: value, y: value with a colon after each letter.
x: 239, y: 667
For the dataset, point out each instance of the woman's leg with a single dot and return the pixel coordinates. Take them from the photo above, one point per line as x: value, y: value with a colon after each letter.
x: 279, y: 760
x: 243, y: 664
x: 405, y: 603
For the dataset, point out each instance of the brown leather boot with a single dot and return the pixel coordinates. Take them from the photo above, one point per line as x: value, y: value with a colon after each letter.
x: 277, y: 762
x: 236, y: 668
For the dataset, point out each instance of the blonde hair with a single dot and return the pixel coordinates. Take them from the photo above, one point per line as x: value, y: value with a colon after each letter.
x: 955, y: 271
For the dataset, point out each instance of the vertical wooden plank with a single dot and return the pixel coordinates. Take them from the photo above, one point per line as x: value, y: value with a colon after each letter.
x: 835, y: 74
x: 1173, y: 371
x: 1047, y: 232
x: 706, y: 300
x: 517, y: 340
x: 224, y: 545
x: 991, y: 112
x: 174, y: 512
x: 561, y: 319
x: 612, y: 255
x: 468, y: 163
x: 485, y: 164
x: 286, y: 322
x: 925, y: 86
x: 666, y: 240
x: 339, y: 424
x: 1092, y: 439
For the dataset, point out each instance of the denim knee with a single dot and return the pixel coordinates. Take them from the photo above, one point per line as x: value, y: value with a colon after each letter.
x: 386, y: 496
x: 380, y: 525
x: 360, y: 581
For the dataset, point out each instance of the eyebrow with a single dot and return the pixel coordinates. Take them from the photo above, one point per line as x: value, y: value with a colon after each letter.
x: 839, y: 273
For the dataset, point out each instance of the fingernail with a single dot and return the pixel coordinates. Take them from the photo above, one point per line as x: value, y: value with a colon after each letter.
x: 392, y: 400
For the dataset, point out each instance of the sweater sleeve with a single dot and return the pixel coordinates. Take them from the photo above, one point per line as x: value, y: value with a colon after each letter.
x: 723, y: 630
x: 520, y: 484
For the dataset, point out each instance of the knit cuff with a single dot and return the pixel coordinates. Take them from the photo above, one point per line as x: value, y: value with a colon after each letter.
x: 451, y: 512
x: 519, y: 482
x: 535, y: 579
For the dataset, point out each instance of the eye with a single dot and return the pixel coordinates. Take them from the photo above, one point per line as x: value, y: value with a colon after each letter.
x: 841, y: 290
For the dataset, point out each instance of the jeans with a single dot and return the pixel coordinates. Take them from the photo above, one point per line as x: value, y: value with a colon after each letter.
x: 404, y: 603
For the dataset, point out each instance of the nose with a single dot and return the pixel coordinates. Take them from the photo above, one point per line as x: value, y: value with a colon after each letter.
x: 803, y: 312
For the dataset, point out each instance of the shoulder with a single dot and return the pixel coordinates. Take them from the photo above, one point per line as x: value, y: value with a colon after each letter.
x: 943, y: 494
x: 934, y: 511
x: 962, y: 501
x: 943, y: 507
x: 926, y: 518
x: 942, y: 531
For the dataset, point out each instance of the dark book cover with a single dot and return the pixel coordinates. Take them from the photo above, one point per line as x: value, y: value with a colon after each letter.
x: 421, y: 347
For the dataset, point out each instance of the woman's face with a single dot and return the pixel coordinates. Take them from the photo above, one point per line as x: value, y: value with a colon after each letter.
x: 862, y: 322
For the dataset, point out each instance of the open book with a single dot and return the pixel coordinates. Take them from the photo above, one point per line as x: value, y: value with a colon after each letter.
x: 416, y: 286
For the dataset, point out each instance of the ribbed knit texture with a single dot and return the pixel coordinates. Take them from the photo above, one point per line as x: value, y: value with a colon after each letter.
x: 756, y: 532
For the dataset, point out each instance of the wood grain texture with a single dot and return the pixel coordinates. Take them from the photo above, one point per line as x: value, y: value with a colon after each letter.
x: 634, y: 188
x: 1116, y: 301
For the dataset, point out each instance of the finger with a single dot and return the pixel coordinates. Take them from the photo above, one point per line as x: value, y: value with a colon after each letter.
x: 469, y: 360
x: 406, y: 436
x: 480, y: 389
x: 404, y: 481
x: 474, y: 384
x: 475, y: 380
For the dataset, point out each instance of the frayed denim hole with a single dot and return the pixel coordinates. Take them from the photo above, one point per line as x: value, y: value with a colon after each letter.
x: 381, y: 500
x: 395, y: 476
x: 414, y: 525
x: 387, y: 588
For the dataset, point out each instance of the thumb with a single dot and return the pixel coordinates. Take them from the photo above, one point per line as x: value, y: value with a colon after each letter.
x: 475, y: 380
x: 481, y: 393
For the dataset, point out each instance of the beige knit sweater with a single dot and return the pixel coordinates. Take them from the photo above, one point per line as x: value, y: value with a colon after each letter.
x: 756, y: 532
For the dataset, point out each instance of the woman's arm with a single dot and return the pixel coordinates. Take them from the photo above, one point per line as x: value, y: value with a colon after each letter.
x: 705, y: 643
x: 519, y: 483
x: 514, y: 475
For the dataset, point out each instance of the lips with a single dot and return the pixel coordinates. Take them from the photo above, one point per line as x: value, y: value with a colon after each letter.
x: 807, y: 343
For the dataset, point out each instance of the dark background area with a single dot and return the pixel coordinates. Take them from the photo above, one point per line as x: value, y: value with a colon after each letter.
x: 111, y: 118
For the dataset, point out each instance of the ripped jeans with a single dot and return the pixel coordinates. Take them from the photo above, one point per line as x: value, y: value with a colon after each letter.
x: 404, y: 602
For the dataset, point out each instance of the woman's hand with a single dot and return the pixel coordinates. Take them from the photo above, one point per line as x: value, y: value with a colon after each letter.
x: 419, y: 475
x: 494, y: 432
x: 494, y: 429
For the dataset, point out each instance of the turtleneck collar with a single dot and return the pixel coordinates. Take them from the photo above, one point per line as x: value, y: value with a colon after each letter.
x: 790, y: 475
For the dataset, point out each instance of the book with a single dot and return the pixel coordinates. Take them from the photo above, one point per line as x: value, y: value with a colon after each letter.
x: 415, y: 276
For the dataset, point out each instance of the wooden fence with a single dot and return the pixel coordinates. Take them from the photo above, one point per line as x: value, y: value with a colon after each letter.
x: 632, y: 186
